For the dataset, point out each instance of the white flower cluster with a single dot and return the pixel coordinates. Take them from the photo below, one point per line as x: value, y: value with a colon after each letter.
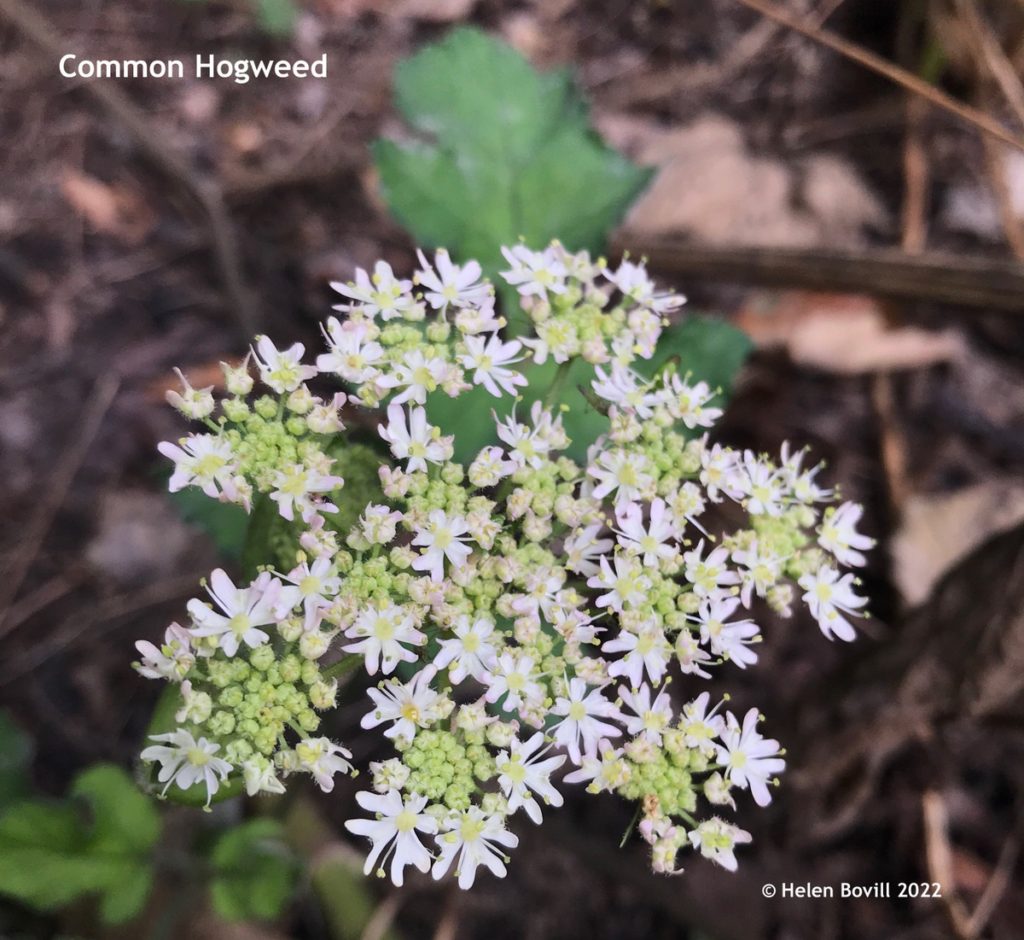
x: 526, y: 615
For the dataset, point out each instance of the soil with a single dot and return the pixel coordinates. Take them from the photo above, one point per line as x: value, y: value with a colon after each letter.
x: 107, y: 269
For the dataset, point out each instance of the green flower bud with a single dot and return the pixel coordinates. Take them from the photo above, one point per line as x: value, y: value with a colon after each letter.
x: 262, y: 657
x: 222, y: 723
x: 308, y: 720
x: 265, y: 407
x: 231, y: 697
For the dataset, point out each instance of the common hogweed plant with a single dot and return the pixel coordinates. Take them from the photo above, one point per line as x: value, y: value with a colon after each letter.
x: 530, y: 619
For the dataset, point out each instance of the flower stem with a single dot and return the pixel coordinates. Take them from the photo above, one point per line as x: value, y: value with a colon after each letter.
x: 631, y: 826
x: 557, y: 384
x: 344, y: 665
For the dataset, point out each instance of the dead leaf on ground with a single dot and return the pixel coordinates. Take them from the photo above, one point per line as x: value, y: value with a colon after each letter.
x: 113, y: 209
x: 245, y: 138
x: 436, y: 11
x: 709, y: 185
x: 939, y: 530
x: 846, y: 334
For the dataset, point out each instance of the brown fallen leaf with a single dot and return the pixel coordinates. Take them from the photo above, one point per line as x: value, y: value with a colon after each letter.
x: 937, y: 531
x: 245, y: 138
x: 842, y: 333
x: 436, y: 11
x: 711, y: 186
x: 112, y: 209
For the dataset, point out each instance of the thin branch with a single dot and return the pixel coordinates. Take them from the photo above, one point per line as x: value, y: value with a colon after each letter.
x: 46, y: 594
x: 996, y: 887
x: 985, y: 284
x: 155, y: 147
x: 993, y: 58
x: 909, y: 81
x: 1008, y: 219
x: 108, y: 612
x: 383, y: 917
x: 939, y: 856
x: 96, y: 408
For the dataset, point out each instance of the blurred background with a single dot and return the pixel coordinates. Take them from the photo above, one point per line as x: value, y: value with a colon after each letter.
x: 865, y: 238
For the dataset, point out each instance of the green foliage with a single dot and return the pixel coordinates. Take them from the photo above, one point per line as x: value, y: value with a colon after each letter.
x: 512, y: 154
x: 711, y: 350
x: 276, y: 17
x: 359, y: 465
x: 15, y: 757
x: 254, y: 872
x: 51, y: 854
x: 225, y: 523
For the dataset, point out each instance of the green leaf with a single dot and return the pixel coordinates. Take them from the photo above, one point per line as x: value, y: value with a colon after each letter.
x: 711, y: 349
x: 511, y: 154
x: 49, y: 855
x: 276, y: 17
x: 124, y: 818
x: 255, y: 872
x: 225, y: 523
x: 263, y: 531
x: 358, y: 464
x: 15, y: 757
x: 469, y: 417
x: 43, y: 862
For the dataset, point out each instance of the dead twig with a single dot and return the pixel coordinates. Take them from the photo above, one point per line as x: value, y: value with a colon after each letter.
x: 982, y: 283
x: 939, y: 856
x: 1011, y: 224
x: 939, y: 853
x: 992, y: 59
x: 108, y: 612
x: 996, y: 887
x: 892, y: 444
x: 448, y: 925
x: 916, y: 174
x: 383, y: 917
x: 894, y: 73
x: 204, y: 192
x: 648, y: 87
x: 96, y: 408
x: 41, y: 598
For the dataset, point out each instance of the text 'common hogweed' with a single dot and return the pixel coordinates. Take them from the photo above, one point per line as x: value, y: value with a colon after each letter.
x: 530, y: 619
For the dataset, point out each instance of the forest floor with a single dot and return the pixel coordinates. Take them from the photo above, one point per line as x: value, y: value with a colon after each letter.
x: 902, y: 769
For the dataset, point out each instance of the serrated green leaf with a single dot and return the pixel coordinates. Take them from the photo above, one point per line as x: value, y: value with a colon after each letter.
x: 255, y: 872
x: 42, y: 855
x: 510, y: 154
x: 225, y: 523
x: 440, y: 91
x: 49, y: 854
x: 15, y: 757
x: 123, y: 819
